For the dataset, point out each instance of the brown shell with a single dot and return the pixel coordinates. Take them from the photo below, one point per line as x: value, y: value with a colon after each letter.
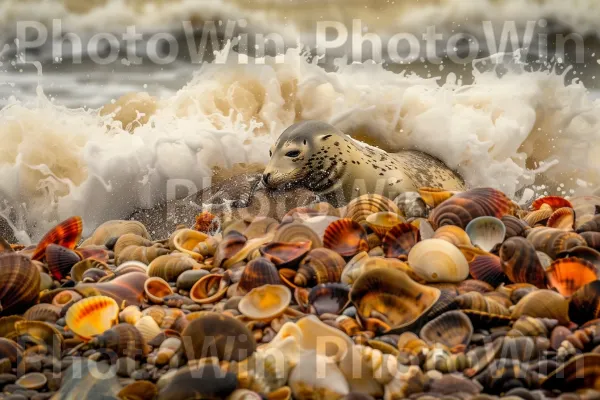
x: 484, y: 266
x: 60, y: 260
x: 231, y: 244
x: 11, y: 350
x: 400, y: 239
x: 43, y: 312
x: 66, y: 234
x: 584, y: 304
x: 567, y: 275
x: 538, y: 217
x: 382, y: 222
x: 463, y: 207
x: 563, y: 218
x: 553, y: 241
x: 285, y: 255
x: 515, y: 226
x: 592, y: 239
x: 170, y: 266
x: 543, y: 304
x: 474, y: 285
x: 330, y: 298
x: 297, y: 232
x: 44, y: 332
x: 530, y: 326
x: 128, y: 288
x: 581, y: 372
x: 320, y: 266
x: 19, y: 283
x: 583, y: 252
x: 79, y: 269
x: 111, y: 230
x: 452, y: 328
x: 478, y: 302
x: 140, y: 253
x: 433, y: 197
x: 130, y: 239
x: 139, y: 390
x: 593, y: 225
x: 555, y: 202
x: 209, y: 289
x: 157, y: 289
x: 124, y: 339
x: 346, y: 237
x: 218, y: 335
x: 258, y: 272
x: 391, y: 296
x: 361, y: 207
x: 99, y: 253
x: 521, y: 263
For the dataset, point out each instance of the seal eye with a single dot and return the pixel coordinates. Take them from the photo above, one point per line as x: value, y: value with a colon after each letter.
x: 270, y: 153
x: 292, y: 154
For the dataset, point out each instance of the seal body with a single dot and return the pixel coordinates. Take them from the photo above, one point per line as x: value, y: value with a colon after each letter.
x: 323, y: 159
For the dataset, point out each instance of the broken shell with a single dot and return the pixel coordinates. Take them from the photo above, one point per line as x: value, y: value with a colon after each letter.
x: 346, y: 237
x: 265, y: 302
x: 320, y: 266
x: 157, y: 289
x: 486, y: 232
x: 453, y: 234
x: 567, y: 275
x: 209, y: 289
x: 521, y: 263
x: 399, y: 240
x: 186, y: 240
x: 285, y: 255
x: 382, y: 222
x: 92, y: 316
x: 66, y: 234
x: 130, y: 315
x: 305, y: 382
x: 436, y: 260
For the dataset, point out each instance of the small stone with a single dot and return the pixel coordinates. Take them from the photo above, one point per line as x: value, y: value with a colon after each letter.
x: 16, y: 397
x: 6, y: 379
x: 140, y: 374
x: 126, y: 366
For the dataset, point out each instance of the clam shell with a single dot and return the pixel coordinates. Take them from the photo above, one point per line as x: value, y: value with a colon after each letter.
x: 157, y: 289
x: 298, y: 232
x: 567, y: 275
x: 463, y: 207
x: 111, y: 230
x: 186, y: 240
x: 285, y: 255
x: 60, y: 260
x: 258, y: 272
x: 484, y: 266
x: 320, y: 266
x: 453, y: 234
x: 543, y: 304
x: 399, y: 240
x: 32, y: 381
x: 169, y: 267
x: 43, y: 312
x: 433, y: 197
x: 233, y: 242
x: 66, y: 234
x: 148, y: 328
x: 346, y: 237
x: 19, y: 283
x: 553, y: 241
x: 435, y: 260
x: 265, y: 302
x: 486, y: 232
x: 92, y: 316
x: 361, y: 207
x: 330, y: 298
x: 209, y: 289
x: 382, y: 222
x: 452, y: 329
x: 584, y: 304
x: 521, y: 263
x: 392, y: 295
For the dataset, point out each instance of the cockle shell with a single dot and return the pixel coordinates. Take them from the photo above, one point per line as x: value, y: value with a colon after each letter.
x: 130, y: 315
x: 285, y: 255
x: 521, y: 263
x: 92, y: 316
x: 258, y: 272
x: 320, y: 266
x: 361, y: 207
x: 186, y: 240
x: 399, y: 240
x: 298, y: 232
x: 553, y: 241
x: 538, y: 217
x: 19, y: 283
x: 60, y: 260
x: 265, y: 302
x: 346, y: 237
x: 553, y: 202
x: 43, y: 312
x: 567, y: 275
x: 66, y: 234
x: 436, y: 260
x: 157, y: 289
x: 452, y: 328
x: 169, y: 267
x: 486, y: 232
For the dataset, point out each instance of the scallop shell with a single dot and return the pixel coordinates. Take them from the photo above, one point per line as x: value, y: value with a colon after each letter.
x: 515, y: 226
x: 209, y: 289
x: 19, y: 283
x: 66, y: 234
x: 285, y: 255
x: 435, y: 260
x: 170, y: 266
x: 382, y: 222
x: 567, y: 275
x: 452, y: 329
x: 265, y: 302
x: 140, y: 253
x: 390, y: 294
x: 60, y: 260
x: 124, y: 339
x: 484, y: 266
x: 298, y: 232
x: 554, y: 202
x: 130, y: 239
x: 320, y: 266
x: 157, y: 289
x: 486, y: 232
x: 433, y: 197
x: 553, y: 241
x: 453, y: 234
x: 186, y: 240
x: 584, y: 304
x: 92, y: 316
x: 361, y: 207
x: 81, y: 267
x: 148, y: 328
x: 258, y: 272
x: 43, y: 312
x: 111, y: 230
x: 399, y: 240
x: 346, y: 237
x: 463, y: 207
x: 543, y: 304
x: 563, y: 218
x: 330, y: 298
x: 521, y: 263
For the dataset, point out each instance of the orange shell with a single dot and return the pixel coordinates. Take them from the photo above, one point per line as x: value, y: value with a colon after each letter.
x: 92, y: 316
x: 567, y: 275
x: 285, y: 255
x: 433, y: 197
x: 67, y: 234
x: 555, y: 202
x: 346, y: 236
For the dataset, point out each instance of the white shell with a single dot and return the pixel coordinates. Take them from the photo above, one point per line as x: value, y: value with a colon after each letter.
x: 486, y: 232
x: 436, y: 260
x: 317, y: 374
x: 265, y: 302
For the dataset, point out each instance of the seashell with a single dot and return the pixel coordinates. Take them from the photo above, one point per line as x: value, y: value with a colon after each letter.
x: 187, y: 279
x: 258, y: 272
x: 130, y: 239
x: 320, y: 266
x: 66, y: 234
x: 484, y: 266
x: 463, y: 207
x: 346, y: 237
x: 43, y: 312
x: 473, y: 285
x: 218, y: 335
x: 433, y: 197
x: 19, y: 283
x: 399, y: 240
x: 186, y: 240
x: 486, y: 232
x: 499, y: 298
x: 99, y: 253
x: 140, y: 253
x: 361, y: 207
x: 32, y: 381
x: 157, y: 289
x: 567, y: 275
x: 592, y: 239
x: 92, y: 316
x: 124, y: 339
x: 411, y: 205
x: 304, y: 380
x: 319, y: 225
x: 206, y: 381
x: 139, y: 390
x: 581, y: 372
x: 111, y: 230
x: 530, y: 326
x: 330, y: 298
x: 148, y: 328
x: 168, y: 348
x: 232, y: 243
x: 440, y: 358
x: 553, y: 241
x: 538, y: 217
x: 285, y: 255
x: 554, y: 203
x: 583, y: 304
x: 521, y: 263
x: 505, y: 374
x: 260, y: 227
x: 435, y: 260
x: 209, y: 289
x: 563, y: 219
x: 265, y: 302
x: 60, y: 260
x: 592, y: 225
x: 452, y: 329
x: 453, y: 234
x: 66, y: 297
x: 130, y: 315
x: 543, y: 304
x: 298, y: 232
x: 382, y: 222
x: 95, y: 275
x: 131, y: 266
x: 390, y: 294
x: 11, y: 350
x: 244, y: 394
x: 80, y: 380
x: 170, y: 266
x: 477, y: 302
x: 515, y: 226
x: 42, y: 333
x: 81, y: 267
x: 583, y: 252
x: 127, y: 289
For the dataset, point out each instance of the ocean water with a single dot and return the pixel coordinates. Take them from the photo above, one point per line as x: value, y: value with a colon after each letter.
x: 502, y: 121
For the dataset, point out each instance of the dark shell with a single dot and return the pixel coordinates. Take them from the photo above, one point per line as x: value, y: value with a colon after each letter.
x: 19, y: 283
x: 320, y: 266
x: 591, y: 226
x: 66, y: 234
x: 203, y: 382
x: 592, y: 239
x: 60, y: 260
x: 485, y: 267
x: 584, y: 253
x: 553, y: 241
x: 258, y: 272
x: 11, y: 350
x: 400, y: 239
x: 463, y: 207
x: 581, y: 372
x: 330, y: 298
x: 346, y: 237
x: 124, y: 339
x: 584, y: 305
x: 515, y: 226
x: 505, y: 374
x: 285, y: 255
x: 521, y: 263
x: 43, y: 312
x: 231, y: 244
x: 567, y: 275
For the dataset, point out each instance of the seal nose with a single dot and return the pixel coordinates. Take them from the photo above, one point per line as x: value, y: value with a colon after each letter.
x: 266, y: 178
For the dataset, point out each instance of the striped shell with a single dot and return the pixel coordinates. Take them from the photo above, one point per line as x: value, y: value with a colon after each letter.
x: 130, y: 239
x: 258, y: 272
x: 298, y: 232
x: 543, y: 304
x: 140, y: 253
x: 320, y: 266
x: 584, y: 304
x: 92, y: 316
x: 515, y: 226
x: 66, y: 234
x: 452, y: 328
x: 346, y: 237
x: 521, y: 263
x: 111, y: 230
x: 124, y: 339
x: 19, y: 283
x: 170, y: 266
x: 553, y: 241
x: 400, y: 240
x: 486, y: 232
x: 433, y: 197
x: 60, y: 260
x: 484, y: 266
x: 563, y: 218
x: 361, y: 207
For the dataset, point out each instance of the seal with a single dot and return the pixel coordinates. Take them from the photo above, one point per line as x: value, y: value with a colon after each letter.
x: 321, y: 158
